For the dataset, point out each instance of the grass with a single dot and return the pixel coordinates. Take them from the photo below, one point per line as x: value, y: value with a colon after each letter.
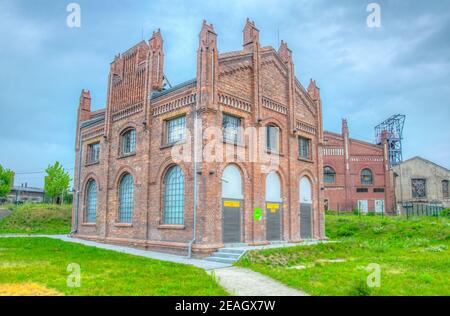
x: 413, y: 255
x: 39, y: 266
x: 37, y: 219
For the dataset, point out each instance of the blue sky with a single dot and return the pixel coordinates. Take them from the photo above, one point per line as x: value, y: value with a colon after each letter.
x: 365, y: 74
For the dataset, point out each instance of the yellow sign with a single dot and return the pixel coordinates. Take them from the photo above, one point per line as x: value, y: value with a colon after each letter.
x: 273, y: 207
x: 231, y: 203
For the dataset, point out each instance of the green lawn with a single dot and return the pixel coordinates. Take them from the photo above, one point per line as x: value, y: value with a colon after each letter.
x: 27, y: 263
x: 37, y: 219
x: 413, y: 255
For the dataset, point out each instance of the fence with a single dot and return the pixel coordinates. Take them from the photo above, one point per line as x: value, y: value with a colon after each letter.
x: 422, y: 209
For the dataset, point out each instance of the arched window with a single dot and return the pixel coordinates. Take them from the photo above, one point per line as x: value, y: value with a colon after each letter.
x: 91, y: 202
x: 445, y: 189
x: 366, y: 176
x: 174, y: 196
x: 232, y: 183
x: 329, y: 175
x: 128, y: 142
x: 273, y: 138
x: 126, y: 199
x: 273, y: 188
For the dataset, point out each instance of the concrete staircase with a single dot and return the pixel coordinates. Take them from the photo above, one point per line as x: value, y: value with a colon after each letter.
x: 226, y: 255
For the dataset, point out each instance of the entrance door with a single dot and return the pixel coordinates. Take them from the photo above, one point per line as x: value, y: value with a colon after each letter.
x: 306, y: 209
x: 232, y: 203
x: 273, y: 207
x: 363, y: 206
x: 379, y: 206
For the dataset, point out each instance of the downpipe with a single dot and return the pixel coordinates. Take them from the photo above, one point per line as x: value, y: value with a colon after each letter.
x: 75, y: 229
x: 194, y: 237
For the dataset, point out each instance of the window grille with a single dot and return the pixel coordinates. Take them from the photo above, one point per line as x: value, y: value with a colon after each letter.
x: 445, y: 189
x: 129, y: 142
x: 329, y: 175
x: 174, y: 196
x: 94, y: 153
x: 176, y: 130
x: 304, y: 148
x: 91, y: 202
x: 419, y: 188
x: 231, y: 128
x: 126, y: 199
x: 366, y: 177
x: 273, y: 138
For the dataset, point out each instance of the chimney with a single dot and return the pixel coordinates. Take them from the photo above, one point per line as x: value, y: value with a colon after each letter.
x: 156, y: 61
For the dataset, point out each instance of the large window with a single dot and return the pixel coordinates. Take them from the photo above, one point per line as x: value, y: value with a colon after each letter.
x: 91, y: 202
x: 419, y: 188
x: 176, y: 130
x: 174, y: 196
x: 93, y: 153
x: 126, y: 199
x: 445, y: 189
x: 366, y: 177
x: 231, y: 128
x: 304, y: 148
x: 129, y: 142
x: 329, y: 175
x: 273, y: 138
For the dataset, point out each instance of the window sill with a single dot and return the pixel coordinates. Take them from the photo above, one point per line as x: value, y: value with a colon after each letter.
x: 89, y: 224
x: 88, y: 164
x: 123, y: 156
x: 237, y: 144
x: 123, y: 225
x: 171, y: 226
x: 305, y: 160
x: 165, y: 146
x: 275, y: 153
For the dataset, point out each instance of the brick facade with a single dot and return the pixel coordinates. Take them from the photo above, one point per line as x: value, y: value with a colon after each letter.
x: 348, y: 158
x: 256, y: 84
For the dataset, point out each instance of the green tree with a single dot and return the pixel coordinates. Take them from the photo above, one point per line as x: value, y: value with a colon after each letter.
x: 57, y: 182
x: 6, y: 179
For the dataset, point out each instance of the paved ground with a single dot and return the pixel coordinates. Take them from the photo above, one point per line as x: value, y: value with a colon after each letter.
x: 237, y: 281
x: 4, y: 213
x: 244, y: 282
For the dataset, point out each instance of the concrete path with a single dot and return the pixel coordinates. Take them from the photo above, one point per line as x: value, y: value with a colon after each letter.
x: 245, y: 282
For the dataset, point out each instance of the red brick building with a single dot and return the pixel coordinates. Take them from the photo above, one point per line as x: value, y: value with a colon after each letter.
x: 133, y: 188
x: 356, y: 174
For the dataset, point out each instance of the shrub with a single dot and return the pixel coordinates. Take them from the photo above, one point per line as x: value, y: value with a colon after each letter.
x: 445, y: 212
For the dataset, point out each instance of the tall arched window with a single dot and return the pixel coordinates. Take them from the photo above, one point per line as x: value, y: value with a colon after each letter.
x: 174, y: 196
x: 366, y: 176
x: 273, y: 138
x: 232, y: 183
x: 273, y: 188
x: 91, y: 202
x: 329, y: 175
x: 305, y: 191
x: 126, y: 199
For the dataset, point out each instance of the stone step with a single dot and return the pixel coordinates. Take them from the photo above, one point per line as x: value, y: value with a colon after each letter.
x: 231, y: 250
x: 226, y: 255
x: 222, y: 260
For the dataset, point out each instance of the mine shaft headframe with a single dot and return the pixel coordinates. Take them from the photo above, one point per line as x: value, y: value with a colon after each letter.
x: 392, y: 130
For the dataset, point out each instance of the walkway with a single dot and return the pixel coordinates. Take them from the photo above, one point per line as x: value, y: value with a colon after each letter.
x: 237, y: 281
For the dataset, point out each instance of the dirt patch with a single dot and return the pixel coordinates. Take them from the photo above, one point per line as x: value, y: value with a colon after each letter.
x: 27, y: 289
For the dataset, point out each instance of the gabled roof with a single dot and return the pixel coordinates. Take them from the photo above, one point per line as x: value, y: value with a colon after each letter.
x: 425, y: 160
x: 158, y: 94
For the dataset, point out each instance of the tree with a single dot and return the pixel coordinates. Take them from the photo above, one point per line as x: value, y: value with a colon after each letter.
x: 57, y: 182
x: 6, y: 179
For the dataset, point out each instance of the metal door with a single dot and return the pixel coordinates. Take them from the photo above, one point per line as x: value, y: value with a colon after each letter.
x: 363, y: 206
x: 305, y: 220
x: 379, y: 206
x: 273, y: 221
x: 231, y: 220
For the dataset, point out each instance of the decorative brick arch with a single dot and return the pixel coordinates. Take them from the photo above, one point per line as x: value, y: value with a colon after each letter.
x: 120, y: 173
x: 242, y: 171
x: 89, y: 176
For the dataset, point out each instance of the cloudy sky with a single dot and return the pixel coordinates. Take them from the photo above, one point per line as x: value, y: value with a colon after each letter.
x: 365, y: 74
